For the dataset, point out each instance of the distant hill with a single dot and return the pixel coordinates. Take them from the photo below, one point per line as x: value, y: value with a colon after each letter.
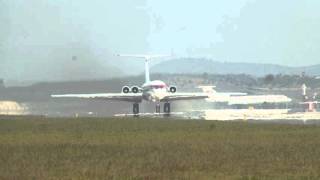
x: 196, y: 66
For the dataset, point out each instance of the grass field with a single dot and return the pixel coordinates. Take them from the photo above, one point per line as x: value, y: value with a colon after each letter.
x: 41, y: 148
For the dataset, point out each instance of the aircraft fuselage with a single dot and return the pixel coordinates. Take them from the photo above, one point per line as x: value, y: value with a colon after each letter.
x: 154, y: 91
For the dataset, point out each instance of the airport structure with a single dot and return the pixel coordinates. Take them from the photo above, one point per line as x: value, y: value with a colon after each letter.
x: 259, y: 107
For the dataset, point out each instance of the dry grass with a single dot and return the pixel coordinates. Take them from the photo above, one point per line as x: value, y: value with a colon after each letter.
x: 40, y: 148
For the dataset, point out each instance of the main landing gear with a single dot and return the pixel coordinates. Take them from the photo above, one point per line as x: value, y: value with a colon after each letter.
x: 135, y: 109
x: 166, y: 109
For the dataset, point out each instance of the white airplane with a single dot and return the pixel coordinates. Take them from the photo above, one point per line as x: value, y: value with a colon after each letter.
x: 156, y: 91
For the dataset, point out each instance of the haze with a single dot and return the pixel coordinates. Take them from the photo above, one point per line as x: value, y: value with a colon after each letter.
x: 76, y: 39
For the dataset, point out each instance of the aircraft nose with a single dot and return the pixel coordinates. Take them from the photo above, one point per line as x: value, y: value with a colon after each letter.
x: 153, y: 97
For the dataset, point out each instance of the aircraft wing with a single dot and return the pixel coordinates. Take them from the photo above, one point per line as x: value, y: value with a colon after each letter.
x: 128, y: 97
x: 184, y: 96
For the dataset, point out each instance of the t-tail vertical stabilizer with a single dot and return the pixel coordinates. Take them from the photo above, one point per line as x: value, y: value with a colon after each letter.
x: 147, y: 58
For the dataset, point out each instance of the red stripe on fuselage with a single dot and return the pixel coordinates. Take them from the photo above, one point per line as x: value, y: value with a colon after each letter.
x: 158, y: 86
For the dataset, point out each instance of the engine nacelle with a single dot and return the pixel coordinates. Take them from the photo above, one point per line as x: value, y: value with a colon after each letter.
x: 125, y: 89
x: 135, y: 89
x: 173, y: 89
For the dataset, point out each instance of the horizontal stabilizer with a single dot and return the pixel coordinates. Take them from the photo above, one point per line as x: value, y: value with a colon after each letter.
x: 145, y: 56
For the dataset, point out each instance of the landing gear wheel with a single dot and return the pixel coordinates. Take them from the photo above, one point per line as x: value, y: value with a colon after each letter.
x: 167, y: 109
x: 135, y: 109
x: 158, y: 108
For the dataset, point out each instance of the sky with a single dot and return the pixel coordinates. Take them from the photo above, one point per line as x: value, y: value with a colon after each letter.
x: 58, y: 39
x: 259, y: 31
